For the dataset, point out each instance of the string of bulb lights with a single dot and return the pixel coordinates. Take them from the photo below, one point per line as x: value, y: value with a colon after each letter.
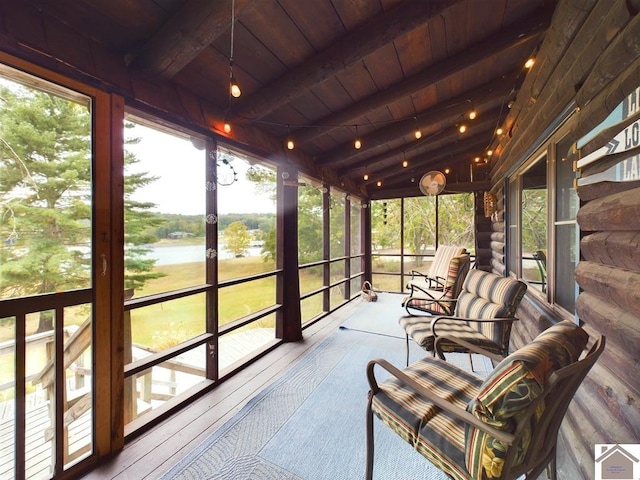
x: 236, y: 92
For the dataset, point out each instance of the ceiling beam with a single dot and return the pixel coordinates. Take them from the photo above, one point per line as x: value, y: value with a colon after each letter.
x: 185, y: 35
x: 467, y: 148
x: 443, y: 138
x: 374, y: 34
x: 449, y: 111
x: 516, y: 35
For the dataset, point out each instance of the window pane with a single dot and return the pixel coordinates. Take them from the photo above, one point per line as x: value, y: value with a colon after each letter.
x: 246, y: 216
x: 164, y: 210
x: 512, y: 232
x: 45, y: 187
x: 533, y: 232
x: 566, y: 252
x: 385, y: 226
x: 456, y: 220
x: 337, y: 218
x: 310, y: 221
x: 567, y: 241
x: 242, y: 342
x: 419, y: 225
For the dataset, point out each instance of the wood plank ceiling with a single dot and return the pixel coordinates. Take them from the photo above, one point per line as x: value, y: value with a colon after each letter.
x: 322, y: 71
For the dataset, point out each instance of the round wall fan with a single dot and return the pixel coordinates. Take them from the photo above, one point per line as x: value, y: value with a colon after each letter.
x: 432, y: 183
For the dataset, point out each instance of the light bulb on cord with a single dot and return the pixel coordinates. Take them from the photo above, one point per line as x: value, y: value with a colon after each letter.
x: 499, y: 131
x: 234, y: 87
x: 462, y: 128
x: 357, y: 144
x: 226, y: 127
x: 290, y: 144
x: 366, y: 176
x: 472, y: 114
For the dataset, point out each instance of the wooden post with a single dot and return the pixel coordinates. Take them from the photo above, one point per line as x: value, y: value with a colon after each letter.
x: 288, y: 319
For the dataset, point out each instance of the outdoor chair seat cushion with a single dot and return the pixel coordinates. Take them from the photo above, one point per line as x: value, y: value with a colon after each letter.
x: 506, y: 398
x: 420, y: 331
x: 433, y: 433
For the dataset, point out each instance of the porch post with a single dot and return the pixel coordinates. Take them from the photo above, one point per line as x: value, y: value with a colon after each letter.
x: 288, y: 319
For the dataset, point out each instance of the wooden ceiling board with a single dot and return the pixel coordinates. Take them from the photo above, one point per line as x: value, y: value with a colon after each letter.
x: 250, y: 57
x: 275, y: 30
x: 414, y: 50
x: 326, y: 62
x: 317, y: 20
x: 353, y: 13
x: 333, y: 94
x: 384, y: 67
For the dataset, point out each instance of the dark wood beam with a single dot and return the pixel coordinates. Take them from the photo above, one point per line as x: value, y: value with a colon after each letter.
x: 414, y: 191
x: 464, y: 149
x: 185, y: 35
x: 449, y: 111
x: 515, y: 36
x: 373, y: 35
x: 443, y: 137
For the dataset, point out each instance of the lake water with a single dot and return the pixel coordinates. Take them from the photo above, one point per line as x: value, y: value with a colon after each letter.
x: 176, y: 254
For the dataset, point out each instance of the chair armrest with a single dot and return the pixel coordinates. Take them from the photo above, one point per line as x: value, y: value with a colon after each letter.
x: 445, y: 405
x: 473, y: 348
x: 463, y: 319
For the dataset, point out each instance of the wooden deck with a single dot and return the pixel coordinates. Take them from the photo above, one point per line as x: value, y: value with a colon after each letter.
x: 154, y: 452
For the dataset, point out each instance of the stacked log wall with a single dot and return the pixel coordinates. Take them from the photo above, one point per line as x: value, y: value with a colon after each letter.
x: 606, y: 408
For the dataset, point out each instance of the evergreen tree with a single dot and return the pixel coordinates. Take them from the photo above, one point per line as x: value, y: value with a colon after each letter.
x: 45, y: 197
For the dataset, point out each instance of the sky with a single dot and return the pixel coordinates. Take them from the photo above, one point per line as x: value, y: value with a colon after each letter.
x: 180, y: 167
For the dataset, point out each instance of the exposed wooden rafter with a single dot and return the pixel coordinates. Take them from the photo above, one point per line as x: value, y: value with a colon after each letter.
x: 519, y: 34
x: 373, y: 35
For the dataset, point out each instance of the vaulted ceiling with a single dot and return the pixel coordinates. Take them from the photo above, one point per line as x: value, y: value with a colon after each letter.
x: 322, y: 72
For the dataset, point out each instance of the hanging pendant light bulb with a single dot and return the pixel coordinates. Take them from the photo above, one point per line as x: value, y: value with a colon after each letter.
x: 234, y: 88
x: 290, y: 144
x: 226, y: 127
x: 365, y: 176
x: 418, y: 132
x: 357, y: 144
x: 405, y: 163
x: 473, y: 114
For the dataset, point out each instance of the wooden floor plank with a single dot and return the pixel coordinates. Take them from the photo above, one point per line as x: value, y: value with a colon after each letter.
x: 154, y: 452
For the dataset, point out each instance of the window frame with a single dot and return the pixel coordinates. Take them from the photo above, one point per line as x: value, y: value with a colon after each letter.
x: 513, y: 185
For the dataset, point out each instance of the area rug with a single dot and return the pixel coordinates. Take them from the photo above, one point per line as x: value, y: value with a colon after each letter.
x: 310, y: 424
x: 379, y: 317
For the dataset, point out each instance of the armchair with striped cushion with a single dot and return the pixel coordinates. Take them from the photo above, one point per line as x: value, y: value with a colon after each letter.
x: 436, y: 277
x: 484, y: 312
x: 499, y: 428
x: 439, y: 302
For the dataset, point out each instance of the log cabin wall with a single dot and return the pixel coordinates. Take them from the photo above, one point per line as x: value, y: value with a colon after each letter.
x: 591, y: 62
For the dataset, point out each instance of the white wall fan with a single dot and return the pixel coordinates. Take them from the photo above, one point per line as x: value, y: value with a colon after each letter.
x: 432, y: 183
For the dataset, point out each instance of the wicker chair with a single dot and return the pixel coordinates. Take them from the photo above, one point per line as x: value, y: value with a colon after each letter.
x: 483, y: 315
x: 439, y: 302
x: 436, y: 277
x: 500, y: 428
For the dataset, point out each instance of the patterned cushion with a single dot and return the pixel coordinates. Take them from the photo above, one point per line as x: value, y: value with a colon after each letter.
x: 432, y: 432
x: 426, y: 300
x: 420, y: 332
x: 487, y: 295
x: 441, y: 259
x: 508, y: 391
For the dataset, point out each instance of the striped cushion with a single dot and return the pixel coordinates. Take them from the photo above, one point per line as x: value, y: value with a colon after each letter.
x: 432, y: 432
x: 486, y: 295
x: 421, y: 300
x: 440, y: 263
x: 508, y: 391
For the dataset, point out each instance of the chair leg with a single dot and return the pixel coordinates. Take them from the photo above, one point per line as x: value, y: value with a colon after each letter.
x: 471, y: 362
x: 407, y: 335
x: 369, y: 467
x: 552, y: 472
